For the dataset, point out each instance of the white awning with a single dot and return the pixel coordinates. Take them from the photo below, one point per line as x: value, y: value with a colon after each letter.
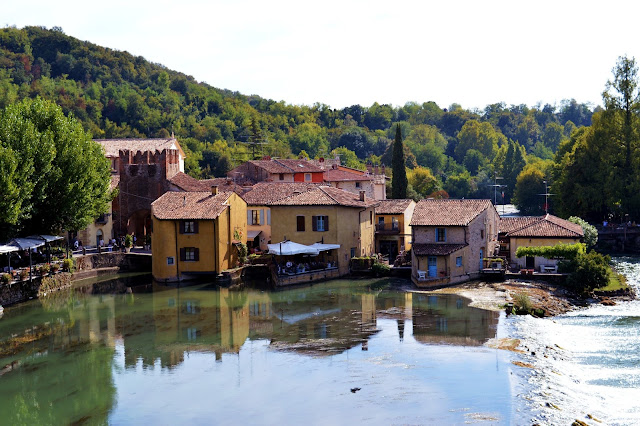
x: 45, y: 238
x: 252, y: 234
x: 290, y: 248
x: 324, y: 247
x: 8, y: 249
x: 26, y: 243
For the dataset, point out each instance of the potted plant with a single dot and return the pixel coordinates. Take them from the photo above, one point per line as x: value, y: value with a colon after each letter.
x: 44, y: 269
x: 128, y: 243
x: 55, y: 267
x: 5, y: 278
x: 67, y: 265
x: 24, y: 274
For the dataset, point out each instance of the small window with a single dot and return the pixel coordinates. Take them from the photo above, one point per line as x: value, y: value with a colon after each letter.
x: 300, y: 223
x: 307, y: 177
x: 320, y: 223
x: 281, y: 176
x: 189, y: 254
x: 353, y: 252
x: 170, y: 260
x: 255, y: 217
x: 459, y: 261
x: 357, y: 184
x: 441, y: 235
x: 482, y: 234
x: 189, y: 227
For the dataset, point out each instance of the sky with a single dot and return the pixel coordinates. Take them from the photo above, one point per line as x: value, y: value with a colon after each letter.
x: 347, y: 52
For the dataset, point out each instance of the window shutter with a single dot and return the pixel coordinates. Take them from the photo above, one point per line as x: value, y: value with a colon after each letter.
x: 249, y: 217
x: 269, y: 217
x: 261, y: 217
x: 300, y: 223
x: 196, y: 254
x: 183, y: 254
x: 181, y: 226
x: 195, y: 226
x: 314, y: 223
x: 326, y: 223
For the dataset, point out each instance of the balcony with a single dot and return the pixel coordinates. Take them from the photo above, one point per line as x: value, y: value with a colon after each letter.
x: 388, y: 228
x: 102, y: 219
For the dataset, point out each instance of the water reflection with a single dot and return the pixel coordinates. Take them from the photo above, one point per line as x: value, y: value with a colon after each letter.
x: 60, y: 354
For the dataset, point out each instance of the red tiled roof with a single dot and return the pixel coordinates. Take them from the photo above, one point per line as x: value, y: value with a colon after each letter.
x: 190, y: 184
x: 436, y: 249
x: 112, y: 147
x: 448, y: 212
x: 324, y: 196
x: 270, y: 166
x: 510, y: 224
x: 264, y: 193
x: 190, y: 205
x: 393, y: 206
x: 299, y: 165
x: 547, y: 226
x: 338, y: 175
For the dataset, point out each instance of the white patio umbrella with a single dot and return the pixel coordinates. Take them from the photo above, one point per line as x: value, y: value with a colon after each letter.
x: 324, y: 247
x: 290, y: 248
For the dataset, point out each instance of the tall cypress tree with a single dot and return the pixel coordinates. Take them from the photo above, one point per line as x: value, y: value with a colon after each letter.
x: 399, y: 180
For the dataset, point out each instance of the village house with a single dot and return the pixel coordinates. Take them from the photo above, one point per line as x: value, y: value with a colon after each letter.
x: 393, y: 232
x: 258, y: 198
x: 323, y: 214
x: 372, y: 181
x: 196, y: 233
x: 450, y: 239
x: 547, y: 230
x: 277, y: 170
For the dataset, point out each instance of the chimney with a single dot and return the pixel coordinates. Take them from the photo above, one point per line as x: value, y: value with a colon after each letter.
x: 214, y: 189
x: 383, y: 169
x: 376, y: 170
x: 229, y: 180
x: 321, y: 160
x: 369, y: 166
x: 334, y: 166
x: 362, y: 196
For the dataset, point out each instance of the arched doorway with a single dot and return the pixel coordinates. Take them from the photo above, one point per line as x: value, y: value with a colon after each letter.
x: 139, y: 224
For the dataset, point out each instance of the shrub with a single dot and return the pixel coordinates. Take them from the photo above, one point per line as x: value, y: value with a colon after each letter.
x: 68, y: 265
x: 128, y: 240
x: 44, y: 269
x: 55, y: 267
x: 590, y: 231
x: 588, y: 271
x: 380, y: 269
x: 559, y: 251
x: 242, y: 253
x: 5, y: 278
x: 522, y: 303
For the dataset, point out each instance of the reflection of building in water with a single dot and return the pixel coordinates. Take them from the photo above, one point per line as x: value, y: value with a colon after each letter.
x: 447, y: 319
x: 321, y: 322
x: 194, y: 320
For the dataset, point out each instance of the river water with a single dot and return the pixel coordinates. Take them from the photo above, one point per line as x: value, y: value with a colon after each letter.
x: 587, y: 362
x: 341, y: 352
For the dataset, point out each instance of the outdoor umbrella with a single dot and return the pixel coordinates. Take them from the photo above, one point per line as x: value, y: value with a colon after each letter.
x: 291, y: 248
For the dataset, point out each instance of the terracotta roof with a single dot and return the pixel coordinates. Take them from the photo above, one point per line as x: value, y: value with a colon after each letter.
x: 264, y: 193
x: 393, y: 206
x: 190, y: 205
x: 112, y: 147
x: 270, y: 166
x: 511, y: 223
x: 546, y: 226
x: 448, y: 212
x: 299, y: 165
x: 436, y: 249
x: 190, y: 184
x: 338, y: 175
x: 325, y: 196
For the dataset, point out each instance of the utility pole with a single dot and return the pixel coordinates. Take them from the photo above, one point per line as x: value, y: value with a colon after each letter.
x: 495, y: 190
x: 546, y: 198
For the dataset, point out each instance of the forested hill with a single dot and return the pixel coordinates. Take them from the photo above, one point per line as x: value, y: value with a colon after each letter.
x: 116, y: 94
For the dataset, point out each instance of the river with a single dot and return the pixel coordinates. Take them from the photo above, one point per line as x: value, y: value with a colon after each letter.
x: 587, y: 362
x: 340, y: 352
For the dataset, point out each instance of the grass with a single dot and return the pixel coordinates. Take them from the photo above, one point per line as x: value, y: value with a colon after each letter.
x: 616, y: 282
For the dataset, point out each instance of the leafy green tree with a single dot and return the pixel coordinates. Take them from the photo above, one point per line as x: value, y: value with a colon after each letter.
x: 480, y: 136
x: 311, y: 138
x: 348, y: 158
x: 423, y: 181
x: 459, y: 185
x: 590, y: 231
x: 529, y: 186
x: 474, y: 161
x: 399, y: 180
x: 428, y: 145
x: 58, y: 178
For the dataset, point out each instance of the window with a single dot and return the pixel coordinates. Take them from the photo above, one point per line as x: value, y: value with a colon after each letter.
x: 357, y: 184
x: 441, y: 235
x: 281, y: 176
x: 255, y: 217
x: 170, y: 260
x: 189, y: 227
x: 459, y: 261
x: 394, y: 223
x: 300, y: 223
x: 353, y: 252
x: 320, y: 223
x: 307, y: 177
x: 189, y: 254
x: 482, y: 234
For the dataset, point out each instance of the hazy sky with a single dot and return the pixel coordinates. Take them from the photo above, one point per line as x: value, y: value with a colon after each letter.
x: 347, y: 52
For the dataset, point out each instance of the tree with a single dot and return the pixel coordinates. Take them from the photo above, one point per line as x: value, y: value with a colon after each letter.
x: 399, y: 179
x: 423, y: 181
x: 480, y: 136
x: 56, y: 176
x: 529, y: 186
x: 590, y: 231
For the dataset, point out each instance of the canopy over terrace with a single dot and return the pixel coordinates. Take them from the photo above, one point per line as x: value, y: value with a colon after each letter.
x: 289, y: 248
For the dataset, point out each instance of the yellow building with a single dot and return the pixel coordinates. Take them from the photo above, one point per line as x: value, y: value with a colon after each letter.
x: 537, y: 231
x: 328, y: 215
x: 393, y: 233
x: 194, y: 233
x: 450, y: 240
